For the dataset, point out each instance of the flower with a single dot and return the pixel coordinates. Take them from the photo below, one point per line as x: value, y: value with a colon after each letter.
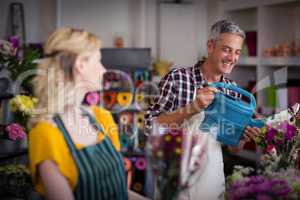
x: 263, y: 197
x: 14, y: 42
x: 259, y: 187
x: 270, y: 134
x: 92, y: 98
x: 288, y: 130
x: 280, y: 141
x: 23, y: 103
x: 15, y: 131
x: 6, y: 48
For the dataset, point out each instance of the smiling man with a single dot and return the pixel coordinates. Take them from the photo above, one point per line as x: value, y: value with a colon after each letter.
x: 184, y: 93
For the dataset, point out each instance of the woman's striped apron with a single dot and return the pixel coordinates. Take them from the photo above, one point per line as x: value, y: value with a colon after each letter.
x: 101, y: 173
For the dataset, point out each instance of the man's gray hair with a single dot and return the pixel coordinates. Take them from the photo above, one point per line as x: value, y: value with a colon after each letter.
x: 225, y: 26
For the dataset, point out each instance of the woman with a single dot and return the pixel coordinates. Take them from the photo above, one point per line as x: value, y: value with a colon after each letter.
x: 73, y: 150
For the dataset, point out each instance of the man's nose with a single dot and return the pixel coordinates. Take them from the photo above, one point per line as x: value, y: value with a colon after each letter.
x: 230, y: 56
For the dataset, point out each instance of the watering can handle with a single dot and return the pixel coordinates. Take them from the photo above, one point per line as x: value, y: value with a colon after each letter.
x: 236, y: 89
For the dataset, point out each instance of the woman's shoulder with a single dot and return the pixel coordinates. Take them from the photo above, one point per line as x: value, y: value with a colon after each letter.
x: 101, y: 113
x: 44, y: 130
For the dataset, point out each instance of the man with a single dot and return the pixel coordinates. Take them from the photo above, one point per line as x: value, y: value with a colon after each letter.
x: 184, y: 93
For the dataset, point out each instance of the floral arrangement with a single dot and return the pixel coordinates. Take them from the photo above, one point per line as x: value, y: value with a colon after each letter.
x: 17, y: 60
x: 280, y: 142
x: 164, y: 157
x: 275, y: 186
x: 23, y: 104
x: 177, y: 157
x: 278, y: 176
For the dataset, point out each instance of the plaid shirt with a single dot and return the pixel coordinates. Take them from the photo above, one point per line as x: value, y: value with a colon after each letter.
x: 177, y: 89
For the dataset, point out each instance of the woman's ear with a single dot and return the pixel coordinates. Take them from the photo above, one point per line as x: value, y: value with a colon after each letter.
x: 79, y: 65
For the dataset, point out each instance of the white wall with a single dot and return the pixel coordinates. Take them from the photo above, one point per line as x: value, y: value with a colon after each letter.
x: 39, y: 18
x: 104, y: 18
x: 177, y: 33
x: 137, y: 21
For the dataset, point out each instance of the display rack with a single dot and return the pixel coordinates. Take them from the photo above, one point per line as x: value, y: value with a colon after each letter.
x: 125, y: 92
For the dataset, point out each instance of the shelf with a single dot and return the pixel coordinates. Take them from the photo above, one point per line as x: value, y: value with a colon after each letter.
x: 235, y: 5
x: 130, y: 59
x: 281, y: 61
x: 13, y: 155
x: 274, y: 2
x: 248, y: 61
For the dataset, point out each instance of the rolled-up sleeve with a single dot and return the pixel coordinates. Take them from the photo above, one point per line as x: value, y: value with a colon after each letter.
x: 163, y: 103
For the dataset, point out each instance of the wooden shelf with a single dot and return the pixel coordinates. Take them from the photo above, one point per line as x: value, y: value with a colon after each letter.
x: 248, y: 61
x: 274, y: 2
x: 281, y: 61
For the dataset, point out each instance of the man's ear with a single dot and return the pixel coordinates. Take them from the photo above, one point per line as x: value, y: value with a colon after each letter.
x: 210, y: 46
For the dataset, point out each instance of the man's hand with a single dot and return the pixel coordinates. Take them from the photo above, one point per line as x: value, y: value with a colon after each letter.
x: 249, y: 134
x: 204, y: 98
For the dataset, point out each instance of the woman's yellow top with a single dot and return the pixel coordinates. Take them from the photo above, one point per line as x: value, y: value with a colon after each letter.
x: 46, y: 142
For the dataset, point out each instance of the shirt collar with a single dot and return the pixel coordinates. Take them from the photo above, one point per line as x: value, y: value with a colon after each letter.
x: 198, y: 74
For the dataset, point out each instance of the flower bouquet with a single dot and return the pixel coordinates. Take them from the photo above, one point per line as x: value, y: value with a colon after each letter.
x: 275, y: 186
x: 22, y: 106
x: 177, y: 158
x: 280, y: 141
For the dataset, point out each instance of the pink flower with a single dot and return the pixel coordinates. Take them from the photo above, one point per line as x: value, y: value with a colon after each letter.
x: 92, y: 98
x: 15, y: 131
x: 271, y: 149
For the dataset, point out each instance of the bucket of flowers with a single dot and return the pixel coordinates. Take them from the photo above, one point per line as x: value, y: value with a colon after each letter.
x: 278, y: 176
x: 177, y: 157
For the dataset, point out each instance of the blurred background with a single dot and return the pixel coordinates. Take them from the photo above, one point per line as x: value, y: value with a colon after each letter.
x: 142, y: 40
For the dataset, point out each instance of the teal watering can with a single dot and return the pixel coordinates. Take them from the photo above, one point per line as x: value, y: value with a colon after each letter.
x: 227, y: 117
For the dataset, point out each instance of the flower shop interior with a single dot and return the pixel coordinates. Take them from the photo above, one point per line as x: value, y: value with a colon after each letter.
x: 142, y: 40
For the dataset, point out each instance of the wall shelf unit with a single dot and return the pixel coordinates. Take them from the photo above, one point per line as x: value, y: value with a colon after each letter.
x: 274, y: 22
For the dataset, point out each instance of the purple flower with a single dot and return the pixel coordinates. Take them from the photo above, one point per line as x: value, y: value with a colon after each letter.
x: 288, y: 130
x: 262, y: 187
x: 271, y: 134
x: 242, y: 192
x: 283, y: 192
x: 280, y: 187
x: 15, y: 131
x: 14, y: 42
x: 256, y: 179
x: 263, y: 197
x: 92, y: 98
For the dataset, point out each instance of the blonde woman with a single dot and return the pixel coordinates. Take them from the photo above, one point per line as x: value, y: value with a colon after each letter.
x: 73, y: 151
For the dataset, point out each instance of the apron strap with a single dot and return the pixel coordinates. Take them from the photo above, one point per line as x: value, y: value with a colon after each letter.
x: 66, y: 135
x: 57, y: 119
x: 93, y: 121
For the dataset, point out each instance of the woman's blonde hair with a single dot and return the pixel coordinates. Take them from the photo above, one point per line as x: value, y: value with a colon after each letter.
x: 55, y: 75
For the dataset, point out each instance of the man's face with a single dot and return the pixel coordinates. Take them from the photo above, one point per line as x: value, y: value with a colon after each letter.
x: 224, y: 53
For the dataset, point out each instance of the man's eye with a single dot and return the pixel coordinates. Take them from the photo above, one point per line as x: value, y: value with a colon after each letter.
x: 226, y: 50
